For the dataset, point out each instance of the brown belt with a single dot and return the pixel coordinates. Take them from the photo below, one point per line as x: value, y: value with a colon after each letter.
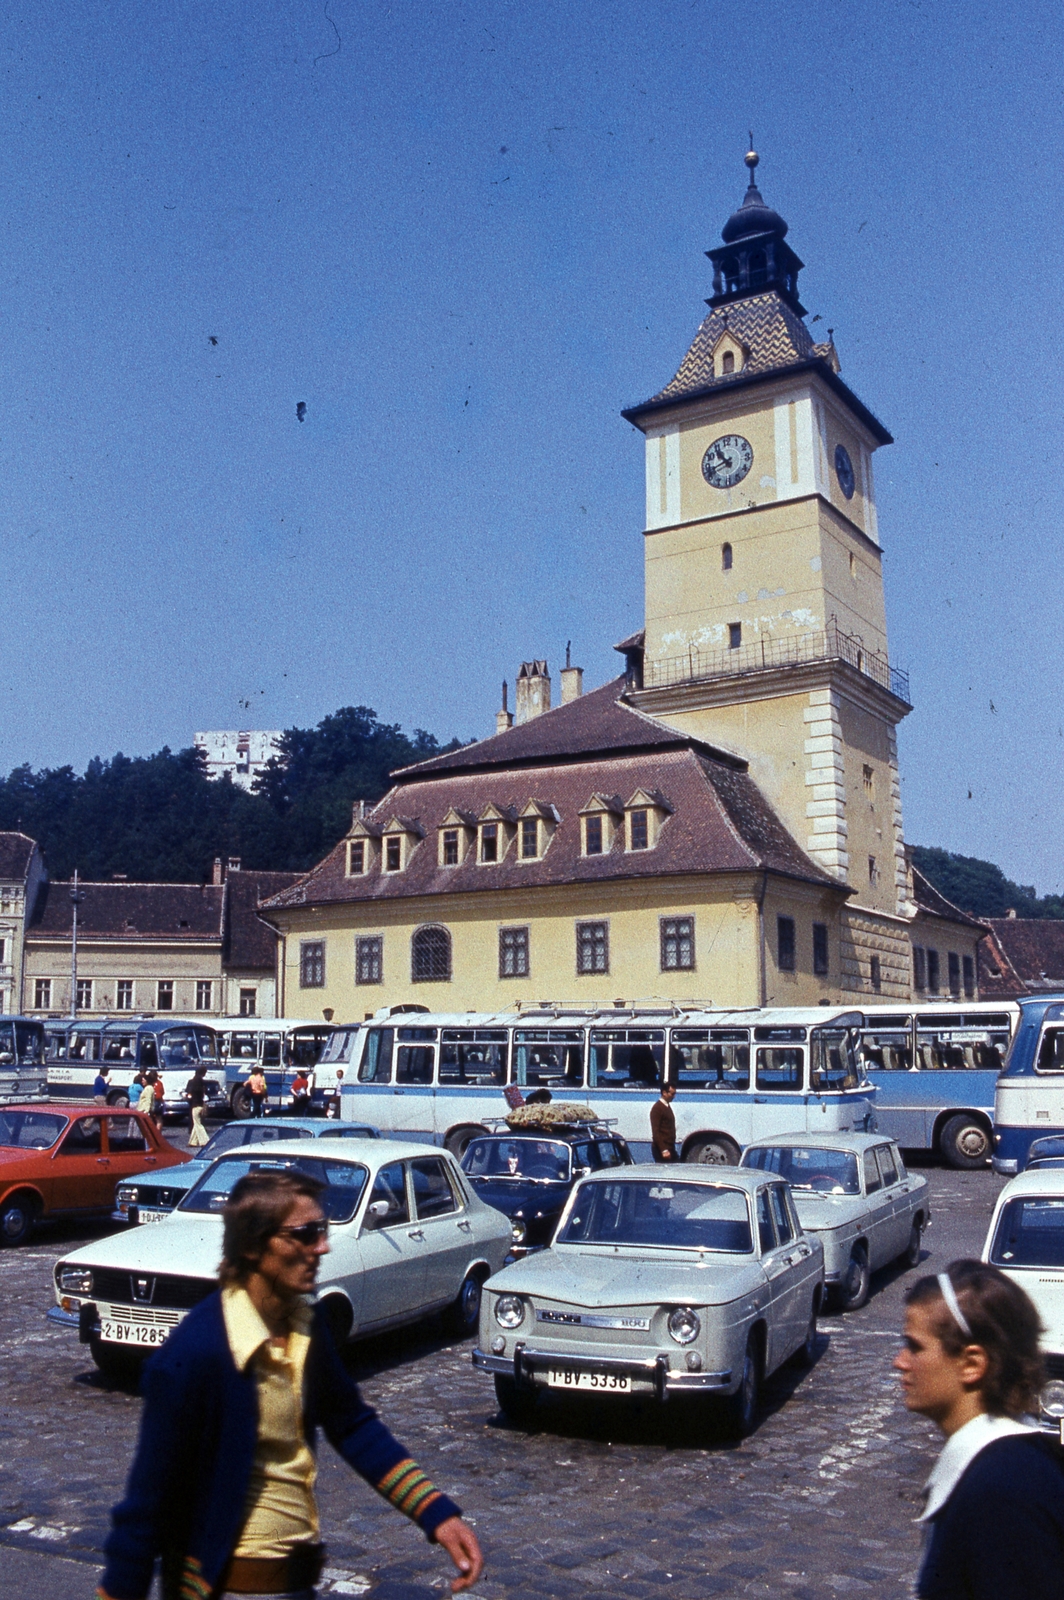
x: 300, y: 1569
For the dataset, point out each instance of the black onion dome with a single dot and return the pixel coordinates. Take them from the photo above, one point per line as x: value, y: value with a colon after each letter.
x: 753, y: 216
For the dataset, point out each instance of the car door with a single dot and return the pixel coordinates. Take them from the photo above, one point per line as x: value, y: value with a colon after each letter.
x: 82, y: 1179
x: 879, y: 1210
x: 447, y: 1235
x: 795, y: 1256
x: 391, y: 1250
x: 894, y: 1189
x: 779, y: 1273
x: 128, y: 1145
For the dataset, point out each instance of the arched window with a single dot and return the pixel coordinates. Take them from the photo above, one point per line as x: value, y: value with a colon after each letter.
x: 725, y: 557
x: 731, y: 274
x: 727, y: 361
x: 430, y: 956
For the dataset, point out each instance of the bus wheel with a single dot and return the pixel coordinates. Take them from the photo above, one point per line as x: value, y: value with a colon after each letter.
x: 240, y: 1100
x: 459, y: 1140
x: 716, y: 1151
x: 965, y: 1143
x: 118, y: 1097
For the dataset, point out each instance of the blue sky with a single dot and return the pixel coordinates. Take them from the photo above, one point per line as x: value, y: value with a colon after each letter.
x: 465, y: 237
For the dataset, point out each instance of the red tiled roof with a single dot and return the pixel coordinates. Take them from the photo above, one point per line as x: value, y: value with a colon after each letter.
x: 250, y: 943
x: 1032, y: 949
x: 719, y: 822
x: 16, y: 851
x: 130, y: 911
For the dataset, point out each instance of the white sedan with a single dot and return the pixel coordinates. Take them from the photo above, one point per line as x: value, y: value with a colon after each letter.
x: 702, y: 1282
x: 1026, y: 1240
x: 408, y: 1237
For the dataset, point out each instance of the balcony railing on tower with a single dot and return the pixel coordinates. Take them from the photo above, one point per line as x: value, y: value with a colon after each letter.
x: 769, y: 653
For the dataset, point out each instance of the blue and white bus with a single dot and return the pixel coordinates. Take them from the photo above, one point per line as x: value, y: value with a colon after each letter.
x: 172, y: 1046
x: 280, y: 1046
x: 739, y: 1075
x: 935, y: 1067
x: 1029, y: 1103
x: 22, y: 1051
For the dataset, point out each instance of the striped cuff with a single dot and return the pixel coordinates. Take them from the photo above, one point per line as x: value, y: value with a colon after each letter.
x: 408, y: 1489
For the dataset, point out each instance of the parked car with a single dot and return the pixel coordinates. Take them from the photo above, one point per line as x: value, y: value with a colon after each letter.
x: 699, y: 1282
x: 153, y: 1197
x: 528, y: 1174
x: 60, y: 1161
x: 408, y: 1237
x: 853, y: 1192
x: 1047, y: 1152
x: 1026, y: 1240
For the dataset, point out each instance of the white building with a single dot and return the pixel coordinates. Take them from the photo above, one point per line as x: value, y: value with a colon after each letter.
x: 241, y: 753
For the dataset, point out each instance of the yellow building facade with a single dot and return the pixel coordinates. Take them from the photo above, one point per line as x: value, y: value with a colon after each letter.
x: 753, y: 732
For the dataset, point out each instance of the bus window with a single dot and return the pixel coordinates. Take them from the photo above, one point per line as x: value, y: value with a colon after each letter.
x: 242, y: 1047
x: 119, y: 1047
x: 834, y: 1062
x: 339, y: 1045
x: 306, y: 1045
x: 469, y: 1055
x: 414, y: 1063
x: 1051, y: 1051
x: 710, y: 1058
x: 206, y: 1043
x: 149, y: 1055
x: 779, y: 1067
x: 83, y: 1047
x: 551, y: 1058
x: 178, y: 1047
x: 271, y: 1049
x: 627, y: 1058
x: 377, y: 1061
x: 887, y: 1052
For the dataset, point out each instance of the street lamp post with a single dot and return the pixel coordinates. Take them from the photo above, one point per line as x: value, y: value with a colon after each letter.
x: 76, y: 897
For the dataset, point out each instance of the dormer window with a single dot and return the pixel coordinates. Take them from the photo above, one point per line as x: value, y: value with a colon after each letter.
x: 638, y: 830
x: 496, y: 828
x: 645, y: 813
x: 356, y: 858
x: 601, y: 818
x: 529, y: 838
x: 363, y: 848
x: 727, y: 363
x: 489, y: 841
x: 593, y: 836
x: 457, y: 834
x: 535, y: 829
x: 450, y: 847
x: 393, y: 854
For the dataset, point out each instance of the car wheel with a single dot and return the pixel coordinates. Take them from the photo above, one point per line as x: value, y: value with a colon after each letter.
x: 118, y: 1097
x: 740, y: 1408
x: 965, y: 1143
x: 718, y: 1151
x: 462, y: 1315
x: 853, y: 1290
x: 911, y: 1253
x: 516, y: 1403
x: 805, y: 1354
x: 17, y: 1216
x: 115, y: 1364
x: 240, y: 1100
x: 459, y: 1140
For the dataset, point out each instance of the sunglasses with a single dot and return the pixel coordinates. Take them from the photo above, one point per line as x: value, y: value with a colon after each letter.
x: 307, y: 1232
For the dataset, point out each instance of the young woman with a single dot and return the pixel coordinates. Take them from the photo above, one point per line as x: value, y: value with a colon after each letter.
x: 994, y: 1515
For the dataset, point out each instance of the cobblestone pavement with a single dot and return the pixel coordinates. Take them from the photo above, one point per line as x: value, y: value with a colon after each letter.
x: 603, y: 1500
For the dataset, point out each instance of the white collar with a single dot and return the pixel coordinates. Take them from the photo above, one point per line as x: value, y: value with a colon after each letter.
x: 959, y: 1451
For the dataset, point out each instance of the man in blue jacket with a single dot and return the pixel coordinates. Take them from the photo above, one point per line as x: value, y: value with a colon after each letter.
x: 222, y: 1485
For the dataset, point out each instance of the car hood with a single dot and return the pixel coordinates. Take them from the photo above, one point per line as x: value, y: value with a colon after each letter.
x: 171, y: 1178
x: 190, y: 1246
x: 521, y: 1199
x: 597, y: 1277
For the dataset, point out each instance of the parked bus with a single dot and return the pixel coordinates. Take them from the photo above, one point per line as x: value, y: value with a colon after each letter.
x: 739, y: 1074
x: 174, y: 1047
x: 934, y: 1068
x: 22, y: 1051
x: 280, y: 1046
x: 1029, y: 1103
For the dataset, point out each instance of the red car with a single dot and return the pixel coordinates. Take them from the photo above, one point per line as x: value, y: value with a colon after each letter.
x: 64, y: 1161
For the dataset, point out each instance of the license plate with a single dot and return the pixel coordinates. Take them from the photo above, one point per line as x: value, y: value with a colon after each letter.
x: 144, y: 1215
x: 131, y: 1333
x: 616, y: 1382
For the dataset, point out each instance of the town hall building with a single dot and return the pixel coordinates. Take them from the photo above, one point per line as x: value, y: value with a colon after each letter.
x: 722, y: 822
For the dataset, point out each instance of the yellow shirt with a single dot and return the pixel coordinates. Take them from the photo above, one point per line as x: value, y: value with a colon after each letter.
x: 280, y: 1509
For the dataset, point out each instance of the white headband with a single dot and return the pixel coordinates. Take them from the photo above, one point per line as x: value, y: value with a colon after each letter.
x: 949, y: 1295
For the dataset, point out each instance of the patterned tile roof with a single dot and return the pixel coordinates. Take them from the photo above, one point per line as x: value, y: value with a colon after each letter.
x: 131, y: 911
x: 764, y: 324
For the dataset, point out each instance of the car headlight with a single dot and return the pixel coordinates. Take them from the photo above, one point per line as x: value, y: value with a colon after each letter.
x: 126, y: 1193
x: 1052, y: 1398
x: 78, y: 1280
x: 518, y: 1231
x: 509, y: 1311
x: 684, y: 1325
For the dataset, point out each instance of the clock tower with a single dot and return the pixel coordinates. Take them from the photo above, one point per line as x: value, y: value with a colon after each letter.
x: 765, y: 619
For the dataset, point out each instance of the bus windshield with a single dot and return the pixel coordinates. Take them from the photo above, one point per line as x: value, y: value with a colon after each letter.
x: 679, y: 1216
x: 834, y: 1061
x: 22, y: 1042
x: 339, y: 1046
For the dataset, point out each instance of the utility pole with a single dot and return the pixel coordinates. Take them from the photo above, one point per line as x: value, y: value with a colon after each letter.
x: 76, y: 897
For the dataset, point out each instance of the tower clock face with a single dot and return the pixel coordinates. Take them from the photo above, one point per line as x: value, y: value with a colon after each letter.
x: 727, y: 461
x: 844, y: 470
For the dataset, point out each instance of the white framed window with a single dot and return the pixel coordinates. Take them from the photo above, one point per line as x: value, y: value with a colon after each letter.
x: 84, y: 994
x: 204, y: 995
x: 164, y: 995
x: 42, y: 994
x: 249, y: 1002
x: 356, y: 858
x: 124, y: 994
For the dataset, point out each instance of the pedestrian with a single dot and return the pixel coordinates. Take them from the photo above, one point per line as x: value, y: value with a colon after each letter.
x: 221, y: 1489
x: 332, y: 1109
x: 158, y: 1098
x: 196, y: 1095
x: 99, y: 1085
x: 146, y: 1098
x: 257, y: 1090
x: 663, y: 1125
x: 994, y: 1513
x: 300, y: 1093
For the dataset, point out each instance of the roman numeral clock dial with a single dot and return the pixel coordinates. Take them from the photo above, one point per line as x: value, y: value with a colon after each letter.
x: 727, y: 461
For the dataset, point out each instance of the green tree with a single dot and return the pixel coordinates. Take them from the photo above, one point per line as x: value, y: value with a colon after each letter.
x: 980, y: 887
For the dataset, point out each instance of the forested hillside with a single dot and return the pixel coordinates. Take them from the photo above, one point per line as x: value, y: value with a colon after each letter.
x: 159, y: 818
x: 980, y: 887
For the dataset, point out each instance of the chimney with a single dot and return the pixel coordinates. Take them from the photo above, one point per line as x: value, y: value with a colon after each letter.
x: 234, y: 863
x: 216, y: 875
x: 1011, y: 913
x: 572, y: 680
x: 533, y: 691
x: 358, y: 811
x: 503, y: 719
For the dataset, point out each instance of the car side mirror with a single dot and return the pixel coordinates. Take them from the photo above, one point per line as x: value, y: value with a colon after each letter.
x: 581, y: 1172
x: 379, y: 1208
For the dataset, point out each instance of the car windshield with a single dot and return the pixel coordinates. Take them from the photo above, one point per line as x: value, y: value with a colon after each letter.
x: 343, y: 1182
x: 546, y: 1159
x: 1030, y: 1233
x: 807, y: 1168
x: 685, y: 1216
x: 30, y: 1130
x: 240, y: 1133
